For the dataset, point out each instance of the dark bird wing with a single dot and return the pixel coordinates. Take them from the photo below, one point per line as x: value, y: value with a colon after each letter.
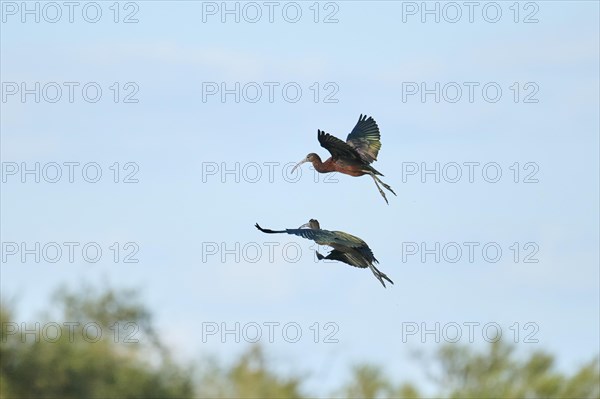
x: 319, y: 236
x: 366, y: 252
x: 343, y: 241
x: 346, y: 257
x: 365, y: 139
x: 347, y: 240
x: 356, y: 259
x: 356, y: 251
x: 337, y: 147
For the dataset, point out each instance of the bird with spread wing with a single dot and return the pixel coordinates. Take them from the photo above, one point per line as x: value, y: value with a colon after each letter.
x: 346, y: 248
x: 354, y: 156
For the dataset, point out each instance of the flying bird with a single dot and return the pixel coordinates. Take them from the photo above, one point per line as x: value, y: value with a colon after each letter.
x: 346, y: 248
x: 352, y: 157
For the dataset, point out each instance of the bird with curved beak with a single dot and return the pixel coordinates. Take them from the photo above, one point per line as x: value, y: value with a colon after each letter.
x: 346, y: 248
x: 352, y: 157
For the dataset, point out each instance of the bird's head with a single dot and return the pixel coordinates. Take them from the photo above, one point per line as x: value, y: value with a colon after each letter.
x: 312, y: 158
x: 312, y: 224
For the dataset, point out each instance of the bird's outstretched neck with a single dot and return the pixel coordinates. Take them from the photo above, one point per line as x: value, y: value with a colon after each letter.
x: 268, y: 231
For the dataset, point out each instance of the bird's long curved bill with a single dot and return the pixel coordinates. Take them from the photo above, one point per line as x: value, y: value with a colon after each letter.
x: 304, y: 225
x: 299, y: 163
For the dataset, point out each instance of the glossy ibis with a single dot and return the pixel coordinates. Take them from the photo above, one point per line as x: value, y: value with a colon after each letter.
x: 346, y: 248
x: 354, y: 156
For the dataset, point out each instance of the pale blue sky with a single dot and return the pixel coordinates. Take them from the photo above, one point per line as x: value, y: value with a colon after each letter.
x: 368, y: 54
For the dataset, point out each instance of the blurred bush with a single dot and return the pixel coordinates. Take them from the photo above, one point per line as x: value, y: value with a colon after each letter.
x: 71, y: 366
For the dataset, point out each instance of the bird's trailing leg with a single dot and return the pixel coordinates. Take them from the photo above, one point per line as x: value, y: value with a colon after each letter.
x: 385, y: 185
x: 375, y: 179
x: 379, y: 274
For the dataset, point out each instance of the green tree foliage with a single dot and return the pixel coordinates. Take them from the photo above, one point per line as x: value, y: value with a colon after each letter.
x: 368, y: 382
x: 461, y: 372
x: 112, y: 367
x: 498, y: 373
x: 248, y: 377
x: 74, y: 367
